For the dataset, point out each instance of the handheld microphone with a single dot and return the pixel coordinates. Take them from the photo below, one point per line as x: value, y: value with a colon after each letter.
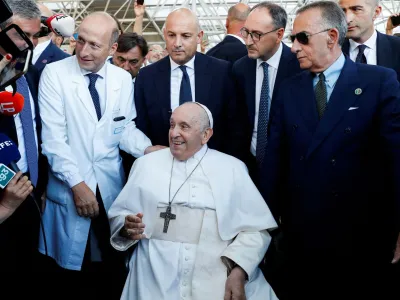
x: 60, y: 24
x: 9, y: 153
x: 11, y: 104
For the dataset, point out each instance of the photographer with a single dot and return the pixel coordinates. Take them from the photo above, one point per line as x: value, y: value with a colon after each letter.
x: 14, y: 194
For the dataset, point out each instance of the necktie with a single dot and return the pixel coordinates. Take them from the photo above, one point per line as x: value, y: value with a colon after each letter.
x: 263, y: 117
x: 185, y: 94
x: 321, y: 95
x: 93, y: 92
x: 361, y: 56
x: 28, y: 130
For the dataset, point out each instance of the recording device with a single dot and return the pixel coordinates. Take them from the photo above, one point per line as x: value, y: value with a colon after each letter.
x: 11, y: 104
x: 13, y: 41
x: 60, y: 24
x: 395, y: 20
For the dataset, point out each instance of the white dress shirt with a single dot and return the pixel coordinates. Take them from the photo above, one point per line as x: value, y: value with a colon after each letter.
x: 39, y: 50
x: 238, y: 37
x: 100, y: 86
x: 176, y: 79
x: 23, y: 163
x: 370, y: 52
x: 273, y: 63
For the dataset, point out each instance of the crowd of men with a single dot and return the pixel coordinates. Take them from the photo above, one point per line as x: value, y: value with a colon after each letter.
x: 260, y: 171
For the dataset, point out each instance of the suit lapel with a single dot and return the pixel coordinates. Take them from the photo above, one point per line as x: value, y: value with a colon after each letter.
x: 383, y: 51
x: 250, y: 82
x: 163, y: 85
x: 307, y: 106
x: 47, y: 55
x: 346, y: 48
x: 203, y: 80
x: 343, y: 96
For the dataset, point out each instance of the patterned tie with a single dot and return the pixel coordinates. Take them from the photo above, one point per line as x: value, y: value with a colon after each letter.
x: 361, y: 56
x: 321, y: 95
x: 185, y: 94
x: 263, y: 117
x: 28, y: 130
x: 93, y: 92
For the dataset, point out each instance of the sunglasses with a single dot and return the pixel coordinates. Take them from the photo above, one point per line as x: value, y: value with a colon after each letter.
x: 303, y: 37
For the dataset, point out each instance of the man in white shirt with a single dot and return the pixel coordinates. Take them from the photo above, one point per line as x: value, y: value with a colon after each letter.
x: 88, y: 111
x: 365, y: 44
x: 213, y: 222
x: 233, y: 46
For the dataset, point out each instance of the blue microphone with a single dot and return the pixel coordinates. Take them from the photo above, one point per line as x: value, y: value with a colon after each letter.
x: 9, y: 153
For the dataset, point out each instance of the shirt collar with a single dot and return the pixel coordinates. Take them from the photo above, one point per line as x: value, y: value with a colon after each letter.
x: 41, y: 47
x: 370, y: 43
x: 101, y: 72
x: 189, y: 64
x: 274, y: 60
x: 333, y: 72
x: 238, y: 37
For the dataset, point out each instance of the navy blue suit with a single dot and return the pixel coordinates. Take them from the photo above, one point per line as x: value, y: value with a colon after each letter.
x: 244, y: 73
x: 213, y: 87
x: 21, y: 253
x: 388, y: 51
x: 230, y: 49
x: 333, y: 182
x: 51, y: 54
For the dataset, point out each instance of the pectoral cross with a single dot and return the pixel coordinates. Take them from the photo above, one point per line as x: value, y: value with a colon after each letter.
x: 167, y: 216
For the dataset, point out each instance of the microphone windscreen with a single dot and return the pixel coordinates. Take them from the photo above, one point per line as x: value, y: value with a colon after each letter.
x: 8, y: 150
x: 61, y: 24
x: 11, y: 104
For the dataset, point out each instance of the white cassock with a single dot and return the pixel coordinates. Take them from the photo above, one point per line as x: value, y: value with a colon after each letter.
x: 219, y: 213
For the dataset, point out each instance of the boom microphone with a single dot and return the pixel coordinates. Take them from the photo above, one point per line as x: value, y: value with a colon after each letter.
x: 60, y: 24
x: 11, y: 104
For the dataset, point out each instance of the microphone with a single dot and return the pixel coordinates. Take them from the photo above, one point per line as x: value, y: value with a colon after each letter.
x: 11, y: 104
x: 9, y: 153
x: 60, y: 24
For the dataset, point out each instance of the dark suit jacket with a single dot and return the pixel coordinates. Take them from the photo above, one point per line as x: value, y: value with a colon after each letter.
x: 230, y: 49
x: 334, y: 182
x: 213, y: 87
x: 388, y: 51
x: 244, y: 73
x: 21, y: 252
x: 51, y: 54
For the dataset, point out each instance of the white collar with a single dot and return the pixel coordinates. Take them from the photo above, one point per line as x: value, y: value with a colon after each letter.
x: 197, y: 156
x: 101, y: 72
x: 41, y: 47
x: 370, y: 43
x: 189, y: 64
x: 274, y: 60
x: 238, y: 37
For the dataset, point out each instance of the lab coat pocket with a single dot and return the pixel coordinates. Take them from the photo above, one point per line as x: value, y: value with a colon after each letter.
x: 115, y: 132
x: 57, y: 191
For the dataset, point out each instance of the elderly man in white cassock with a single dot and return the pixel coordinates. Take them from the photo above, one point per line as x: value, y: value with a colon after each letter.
x: 199, y: 221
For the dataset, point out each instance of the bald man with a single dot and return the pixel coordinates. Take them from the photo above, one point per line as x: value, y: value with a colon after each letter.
x: 206, y: 240
x: 187, y: 76
x: 232, y: 46
x: 88, y: 109
x: 46, y: 51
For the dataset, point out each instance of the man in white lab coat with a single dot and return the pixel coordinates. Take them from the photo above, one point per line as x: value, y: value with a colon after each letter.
x: 199, y: 221
x: 88, y: 113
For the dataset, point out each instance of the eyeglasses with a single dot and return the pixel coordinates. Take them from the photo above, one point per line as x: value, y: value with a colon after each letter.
x: 254, y: 35
x: 303, y: 37
x: 44, y: 31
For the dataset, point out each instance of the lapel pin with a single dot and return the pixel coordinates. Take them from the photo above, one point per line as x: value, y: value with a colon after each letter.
x: 358, y: 91
x: 44, y: 61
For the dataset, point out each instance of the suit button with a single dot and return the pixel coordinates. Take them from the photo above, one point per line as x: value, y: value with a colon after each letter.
x: 334, y: 193
x: 333, y: 161
x: 295, y: 127
x: 297, y: 186
x: 302, y: 157
x: 347, y: 130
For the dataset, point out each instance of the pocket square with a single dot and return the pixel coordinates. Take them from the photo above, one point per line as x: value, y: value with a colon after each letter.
x: 353, y: 108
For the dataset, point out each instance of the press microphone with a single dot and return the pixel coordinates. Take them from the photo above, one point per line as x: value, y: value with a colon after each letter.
x: 11, y: 104
x: 60, y: 24
x: 9, y: 153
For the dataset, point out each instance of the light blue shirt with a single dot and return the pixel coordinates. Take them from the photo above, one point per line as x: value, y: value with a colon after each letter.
x: 331, y: 75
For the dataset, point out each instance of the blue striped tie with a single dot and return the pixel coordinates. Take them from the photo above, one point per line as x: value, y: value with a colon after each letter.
x: 29, y: 132
x: 185, y: 94
x: 263, y: 117
x: 93, y: 92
